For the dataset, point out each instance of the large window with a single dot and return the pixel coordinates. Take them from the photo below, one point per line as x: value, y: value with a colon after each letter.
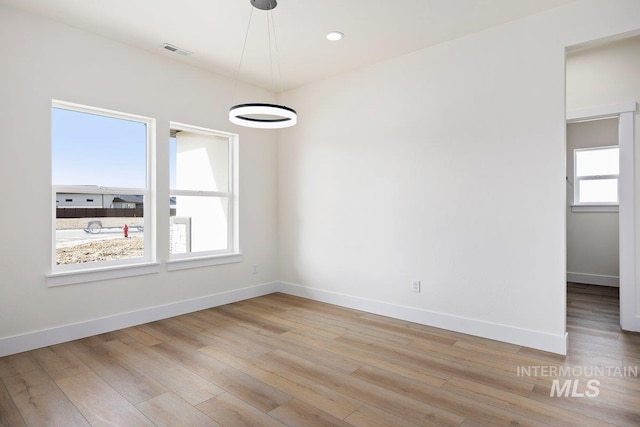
x: 101, y: 188
x: 596, y: 173
x: 203, y: 221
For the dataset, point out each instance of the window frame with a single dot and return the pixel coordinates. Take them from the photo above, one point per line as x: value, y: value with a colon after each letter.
x: 101, y: 270
x: 221, y: 256
x: 606, y: 206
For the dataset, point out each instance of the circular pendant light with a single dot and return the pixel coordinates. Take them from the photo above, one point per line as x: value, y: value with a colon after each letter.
x: 263, y: 116
x: 255, y: 114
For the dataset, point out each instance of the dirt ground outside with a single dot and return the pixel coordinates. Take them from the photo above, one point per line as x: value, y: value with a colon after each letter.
x: 100, y: 250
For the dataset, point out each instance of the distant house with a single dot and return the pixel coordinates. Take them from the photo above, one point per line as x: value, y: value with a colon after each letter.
x: 127, y: 201
x: 83, y: 200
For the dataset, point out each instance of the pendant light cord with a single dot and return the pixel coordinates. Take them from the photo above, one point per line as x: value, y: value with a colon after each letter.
x: 270, y: 55
x: 275, y: 42
x: 244, y: 45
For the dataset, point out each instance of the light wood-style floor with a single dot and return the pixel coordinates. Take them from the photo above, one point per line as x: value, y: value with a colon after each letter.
x: 281, y: 360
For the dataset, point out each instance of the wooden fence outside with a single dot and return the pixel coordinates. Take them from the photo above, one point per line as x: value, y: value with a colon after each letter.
x: 99, y: 212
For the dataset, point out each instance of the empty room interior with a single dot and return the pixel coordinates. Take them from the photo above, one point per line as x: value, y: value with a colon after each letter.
x: 314, y: 213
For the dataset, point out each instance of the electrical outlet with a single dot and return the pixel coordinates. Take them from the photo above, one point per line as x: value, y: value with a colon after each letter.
x: 254, y: 269
x: 416, y: 285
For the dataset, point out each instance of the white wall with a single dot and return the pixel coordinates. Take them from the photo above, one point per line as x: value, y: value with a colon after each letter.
x: 445, y: 165
x: 592, y: 237
x: 608, y: 75
x: 43, y: 60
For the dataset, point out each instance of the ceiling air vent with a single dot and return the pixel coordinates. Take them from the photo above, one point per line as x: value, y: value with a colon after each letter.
x: 176, y: 49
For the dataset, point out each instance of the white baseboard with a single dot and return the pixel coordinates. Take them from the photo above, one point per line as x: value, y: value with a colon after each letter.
x: 60, y: 334
x: 633, y: 325
x: 525, y: 337
x: 594, y: 279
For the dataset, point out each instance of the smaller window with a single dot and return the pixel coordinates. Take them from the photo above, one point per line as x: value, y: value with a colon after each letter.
x: 203, y: 194
x: 596, y: 175
x: 68, y: 200
x: 89, y: 200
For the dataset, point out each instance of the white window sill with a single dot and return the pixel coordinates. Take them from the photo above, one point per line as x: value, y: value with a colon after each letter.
x: 71, y: 277
x: 595, y: 208
x: 202, y: 261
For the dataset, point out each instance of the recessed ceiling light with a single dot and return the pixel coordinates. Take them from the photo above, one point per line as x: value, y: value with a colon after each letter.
x: 334, y: 36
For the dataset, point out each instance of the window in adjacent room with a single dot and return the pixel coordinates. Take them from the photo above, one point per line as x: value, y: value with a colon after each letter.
x: 101, y: 187
x: 596, y: 175
x: 203, y: 197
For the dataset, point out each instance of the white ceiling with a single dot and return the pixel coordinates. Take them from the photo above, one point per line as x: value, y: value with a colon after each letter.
x: 214, y: 30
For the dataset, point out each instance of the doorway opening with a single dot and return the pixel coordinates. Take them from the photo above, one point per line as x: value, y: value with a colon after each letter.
x: 596, y: 123
x: 592, y: 164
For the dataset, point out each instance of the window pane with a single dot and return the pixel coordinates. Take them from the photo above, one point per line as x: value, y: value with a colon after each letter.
x: 90, y: 149
x: 198, y: 224
x: 603, y: 161
x: 598, y: 191
x: 88, y: 231
x: 199, y: 161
